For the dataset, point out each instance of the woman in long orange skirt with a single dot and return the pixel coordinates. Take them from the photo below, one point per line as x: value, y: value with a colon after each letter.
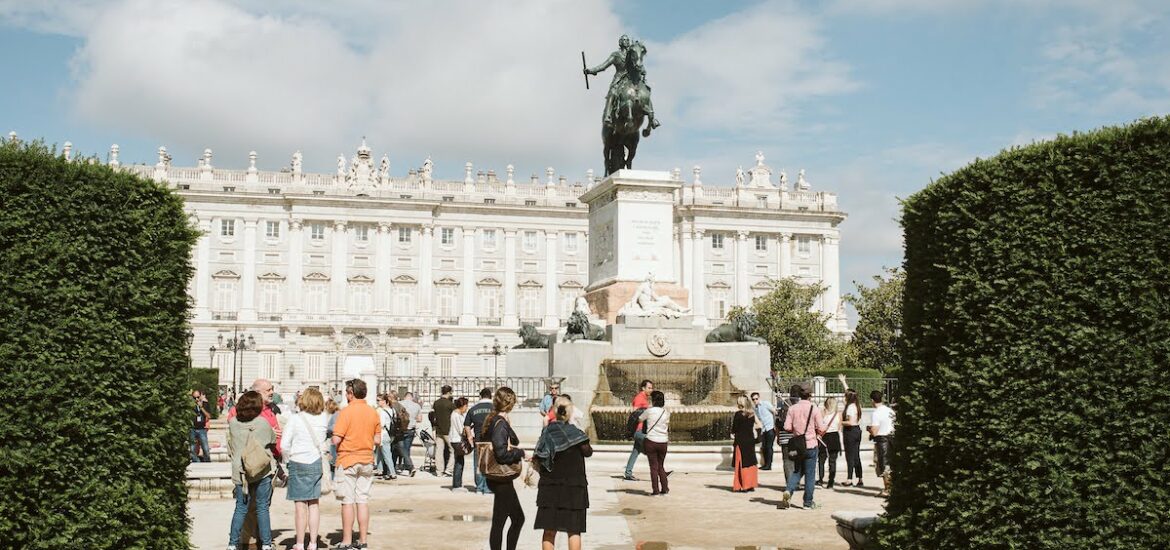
x: 744, y: 427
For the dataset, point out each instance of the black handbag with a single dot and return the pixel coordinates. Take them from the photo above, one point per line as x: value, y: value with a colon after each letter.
x: 797, y: 447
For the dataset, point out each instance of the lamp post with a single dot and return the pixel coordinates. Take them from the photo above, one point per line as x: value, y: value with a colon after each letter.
x: 237, y: 345
x: 190, y: 342
x: 496, y: 350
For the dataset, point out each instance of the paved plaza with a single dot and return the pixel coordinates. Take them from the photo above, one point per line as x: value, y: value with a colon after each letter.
x: 700, y: 512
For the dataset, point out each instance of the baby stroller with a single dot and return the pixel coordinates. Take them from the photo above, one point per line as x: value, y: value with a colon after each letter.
x: 428, y: 441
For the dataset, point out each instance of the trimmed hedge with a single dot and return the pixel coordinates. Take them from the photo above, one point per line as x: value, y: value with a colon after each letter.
x: 95, y: 265
x: 1033, y: 411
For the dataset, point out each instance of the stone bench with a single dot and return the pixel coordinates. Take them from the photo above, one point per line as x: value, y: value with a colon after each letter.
x: 853, y: 527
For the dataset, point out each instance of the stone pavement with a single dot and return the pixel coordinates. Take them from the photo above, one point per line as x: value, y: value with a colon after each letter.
x: 701, y: 512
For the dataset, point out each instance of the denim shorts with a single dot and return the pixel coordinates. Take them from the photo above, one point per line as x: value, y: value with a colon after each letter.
x: 304, y: 481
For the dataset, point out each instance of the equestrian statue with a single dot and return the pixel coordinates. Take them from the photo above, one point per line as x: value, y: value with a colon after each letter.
x: 627, y: 105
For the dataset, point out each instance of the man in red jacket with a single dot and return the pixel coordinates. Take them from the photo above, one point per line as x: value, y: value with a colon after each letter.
x: 641, y: 401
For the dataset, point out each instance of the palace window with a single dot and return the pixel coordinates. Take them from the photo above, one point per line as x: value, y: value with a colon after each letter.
x: 489, y: 238
x: 719, y: 302
x: 570, y: 242
x: 531, y: 302
x: 804, y: 245
x: 361, y: 233
x: 227, y: 228
x: 404, y: 365
x: 272, y: 229
x: 489, y: 302
x: 225, y: 296
x: 269, y: 366
x: 446, y: 366
x: 317, y: 231
x: 529, y: 241
x: 445, y: 302
x: 404, y: 298
x: 717, y: 240
x: 761, y: 243
x: 360, y: 301
x: 270, y: 294
x: 447, y: 236
x: 404, y: 234
x: 317, y: 297
x: 313, y: 366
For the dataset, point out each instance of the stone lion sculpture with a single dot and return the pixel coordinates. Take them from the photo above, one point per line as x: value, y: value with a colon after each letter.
x: 739, y: 329
x: 579, y: 328
x: 530, y: 338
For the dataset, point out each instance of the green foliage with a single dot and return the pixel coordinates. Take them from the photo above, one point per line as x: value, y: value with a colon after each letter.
x: 798, y: 338
x: 95, y: 266
x: 877, y: 339
x: 1033, y: 411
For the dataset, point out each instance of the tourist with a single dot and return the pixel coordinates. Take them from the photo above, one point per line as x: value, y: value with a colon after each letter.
x: 331, y: 411
x: 578, y: 417
x: 442, y: 408
x: 472, y: 425
x: 357, y: 431
x: 744, y: 427
x: 546, y: 402
x: 398, y: 428
x: 562, y: 496
x: 302, y: 447
x: 656, y: 419
x: 384, y: 453
x: 506, y: 450
x: 881, y: 429
x: 851, y: 435
x: 248, y: 424
x: 766, y: 413
x: 830, y: 447
x: 784, y: 436
x: 455, y: 436
x: 804, y: 420
x: 413, y: 416
x: 641, y: 402
x: 200, y: 448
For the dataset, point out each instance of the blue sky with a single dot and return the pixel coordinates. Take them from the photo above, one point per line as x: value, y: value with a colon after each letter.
x: 873, y: 98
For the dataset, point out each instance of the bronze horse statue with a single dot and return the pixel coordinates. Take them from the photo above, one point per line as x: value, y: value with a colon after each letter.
x: 620, y: 135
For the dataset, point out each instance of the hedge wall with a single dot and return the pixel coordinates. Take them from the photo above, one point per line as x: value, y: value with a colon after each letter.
x: 1034, y: 410
x: 94, y: 266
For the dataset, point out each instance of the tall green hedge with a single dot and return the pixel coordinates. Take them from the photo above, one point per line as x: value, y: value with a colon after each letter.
x: 94, y: 266
x: 1034, y: 407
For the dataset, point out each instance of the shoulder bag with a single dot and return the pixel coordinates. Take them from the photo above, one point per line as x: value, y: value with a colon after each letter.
x: 487, y: 461
x: 797, y: 447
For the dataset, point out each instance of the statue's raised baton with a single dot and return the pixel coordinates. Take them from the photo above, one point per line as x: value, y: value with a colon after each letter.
x: 586, y: 67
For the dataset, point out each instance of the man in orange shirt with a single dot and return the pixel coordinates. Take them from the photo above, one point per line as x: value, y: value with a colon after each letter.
x: 357, y: 431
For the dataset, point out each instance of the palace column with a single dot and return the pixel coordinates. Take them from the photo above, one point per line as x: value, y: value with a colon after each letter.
x: 468, y: 318
x: 382, y: 268
x: 686, y: 276
x: 338, y: 277
x: 426, y: 280
x: 698, y: 290
x: 248, y: 309
x: 550, y: 279
x: 510, y: 318
x: 203, y: 270
x: 296, y: 262
x: 830, y: 275
x: 785, y: 255
x: 742, y: 293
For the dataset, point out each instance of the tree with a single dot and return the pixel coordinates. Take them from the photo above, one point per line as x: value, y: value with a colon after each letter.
x: 877, y: 340
x: 799, y: 340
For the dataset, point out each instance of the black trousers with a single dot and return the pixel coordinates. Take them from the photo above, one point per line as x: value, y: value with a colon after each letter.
x: 506, y: 505
x: 852, y: 452
x: 829, y: 452
x: 768, y: 440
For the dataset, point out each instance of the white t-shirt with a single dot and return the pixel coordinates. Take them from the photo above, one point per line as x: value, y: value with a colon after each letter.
x: 297, y: 444
x: 412, y: 410
x: 833, y: 418
x: 657, y: 421
x: 456, y: 431
x: 883, y: 418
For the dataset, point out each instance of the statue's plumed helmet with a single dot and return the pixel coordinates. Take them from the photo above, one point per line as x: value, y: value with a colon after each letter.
x: 624, y: 40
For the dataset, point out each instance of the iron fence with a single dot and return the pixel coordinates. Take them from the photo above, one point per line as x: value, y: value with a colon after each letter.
x: 529, y: 389
x: 832, y: 387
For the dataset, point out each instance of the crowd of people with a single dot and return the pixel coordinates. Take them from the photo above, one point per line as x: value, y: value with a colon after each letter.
x: 339, y: 444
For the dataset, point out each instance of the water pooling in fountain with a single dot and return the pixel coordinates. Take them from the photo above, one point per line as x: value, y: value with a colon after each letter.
x: 699, y: 396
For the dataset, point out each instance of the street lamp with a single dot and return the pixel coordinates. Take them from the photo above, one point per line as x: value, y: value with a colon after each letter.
x: 495, y: 350
x: 190, y: 342
x: 237, y: 345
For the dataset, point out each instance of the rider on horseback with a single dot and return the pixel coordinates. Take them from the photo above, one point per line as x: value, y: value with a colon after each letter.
x: 621, y: 78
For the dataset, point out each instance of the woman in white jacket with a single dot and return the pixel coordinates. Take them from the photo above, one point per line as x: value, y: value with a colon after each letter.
x: 301, y: 446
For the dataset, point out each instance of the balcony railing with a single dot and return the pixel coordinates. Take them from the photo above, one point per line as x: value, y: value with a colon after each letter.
x: 224, y: 315
x: 488, y: 321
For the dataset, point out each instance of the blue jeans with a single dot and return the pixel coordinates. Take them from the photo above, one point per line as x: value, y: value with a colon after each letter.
x: 809, y: 471
x: 481, y: 485
x: 261, y: 491
x: 199, y: 439
x: 633, y: 460
x: 407, y: 442
x: 385, y: 456
x: 457, y: 473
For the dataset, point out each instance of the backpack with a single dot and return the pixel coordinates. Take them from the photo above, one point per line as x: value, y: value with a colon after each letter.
x: 632, y: 422
x: 255, y: 461
x: 797, y: 446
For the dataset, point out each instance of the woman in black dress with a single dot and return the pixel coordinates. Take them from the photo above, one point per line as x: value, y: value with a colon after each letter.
x: 562, y: 497
x: 505, y: 448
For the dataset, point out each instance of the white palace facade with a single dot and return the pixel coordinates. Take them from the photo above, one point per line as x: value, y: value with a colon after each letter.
x: 416, y: 276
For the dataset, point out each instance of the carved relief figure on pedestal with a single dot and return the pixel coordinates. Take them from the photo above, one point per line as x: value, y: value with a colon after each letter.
x: 646, y: 304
